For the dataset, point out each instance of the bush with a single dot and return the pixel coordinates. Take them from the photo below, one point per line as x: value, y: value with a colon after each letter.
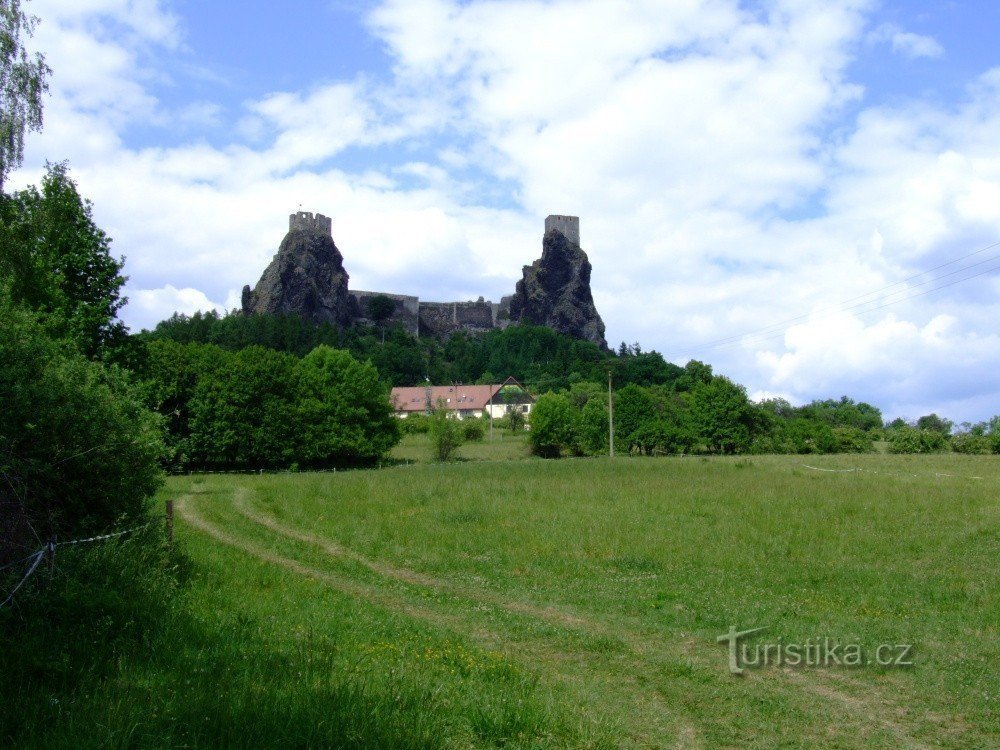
x: 912, y: 440
x: 553, y: 426
x: 78, y: 450
x: 473, y: 430
x: 415, y: 424
x: 446, y: 435
x: 966, y: 442
x: 852, y: 440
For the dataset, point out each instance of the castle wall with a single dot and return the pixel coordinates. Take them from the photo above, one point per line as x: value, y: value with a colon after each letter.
x: 568, y: 225
x: 444, y: 318
x: 407, y: 310
x: 304, y: 221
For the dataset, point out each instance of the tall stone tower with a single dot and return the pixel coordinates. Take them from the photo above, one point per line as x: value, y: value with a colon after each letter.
x: 306, y: 277
x: 568, y: 225
x: 304, y: 221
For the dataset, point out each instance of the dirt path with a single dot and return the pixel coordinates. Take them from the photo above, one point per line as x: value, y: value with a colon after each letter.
x: 655, y: 721
x: 868, y: 710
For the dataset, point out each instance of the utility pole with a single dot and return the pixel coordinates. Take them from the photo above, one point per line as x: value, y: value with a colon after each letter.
x: 611, y: 419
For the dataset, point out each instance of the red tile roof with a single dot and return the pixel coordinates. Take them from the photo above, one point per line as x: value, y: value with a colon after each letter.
x: 453, y: 396
x: 414, y: 399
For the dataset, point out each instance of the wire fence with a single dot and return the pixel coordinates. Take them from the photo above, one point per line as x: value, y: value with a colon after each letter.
x: 48, y: 551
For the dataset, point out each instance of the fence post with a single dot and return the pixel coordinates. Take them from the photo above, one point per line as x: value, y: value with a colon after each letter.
x: 170, y: 521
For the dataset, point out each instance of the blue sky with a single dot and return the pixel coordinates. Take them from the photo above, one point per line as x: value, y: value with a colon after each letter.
x: 734, y: 164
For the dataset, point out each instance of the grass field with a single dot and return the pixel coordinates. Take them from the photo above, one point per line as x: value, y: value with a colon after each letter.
x: 574, y: 603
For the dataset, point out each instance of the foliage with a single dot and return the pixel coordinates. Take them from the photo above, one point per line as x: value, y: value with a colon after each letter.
x: 380, y: 308
x: 853, y: 440
x: 514, y: 420
x: 473, y: 430
x: 415, y: 424
x: 593, y: 426
x: 23, y: 81
x: 78, y: 451
x: 343, y: 409
x: 263, y: 409
x: 446, y: 434
x: 722, y: 415
x: 59, y: 263
x: 553, y: 426
x: 971, y: 443
x: 914, y: 440
x: 934, y: 423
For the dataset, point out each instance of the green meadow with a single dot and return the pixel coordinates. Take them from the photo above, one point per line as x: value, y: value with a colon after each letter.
x: 571, y: 603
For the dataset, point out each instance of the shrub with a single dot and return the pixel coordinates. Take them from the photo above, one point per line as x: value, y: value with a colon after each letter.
x: 78, y: 450
x: 415, y: 424
x: 553, y: 426
x: 852, y: 440
x: 966, y: 442
x: 446, y: 435
x: 473, y: 430
x: 912, y: 440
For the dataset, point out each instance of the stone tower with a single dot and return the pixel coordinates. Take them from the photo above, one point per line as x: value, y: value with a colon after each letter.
x: 568, y: 225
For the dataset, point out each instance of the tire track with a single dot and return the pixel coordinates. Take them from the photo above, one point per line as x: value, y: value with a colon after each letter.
x: 555, y: 661
x: 639, y: 647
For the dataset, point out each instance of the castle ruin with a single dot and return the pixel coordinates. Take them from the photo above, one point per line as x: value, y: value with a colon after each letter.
x: 307, y: 277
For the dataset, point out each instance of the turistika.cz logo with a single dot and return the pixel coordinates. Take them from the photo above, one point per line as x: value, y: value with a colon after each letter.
x: 813, y: 652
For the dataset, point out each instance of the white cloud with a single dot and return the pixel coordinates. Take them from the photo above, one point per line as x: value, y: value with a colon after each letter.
x: 149, y: 306
x: 722, y: 179
x: 907, y: 43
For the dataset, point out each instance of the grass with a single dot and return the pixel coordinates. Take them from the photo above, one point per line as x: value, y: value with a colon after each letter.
x: 504, y: 446
x: 571, y: 603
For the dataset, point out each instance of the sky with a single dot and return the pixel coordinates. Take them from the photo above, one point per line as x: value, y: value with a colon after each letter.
x: 803, y: 193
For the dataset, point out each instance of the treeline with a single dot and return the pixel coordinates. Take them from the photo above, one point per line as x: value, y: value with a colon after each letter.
x: 701, y: 412
x: 537, y: 356
x: 258, y: 408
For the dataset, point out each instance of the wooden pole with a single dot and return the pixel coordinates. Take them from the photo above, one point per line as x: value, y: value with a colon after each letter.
x: 611, y: 419
x: 170, y: 521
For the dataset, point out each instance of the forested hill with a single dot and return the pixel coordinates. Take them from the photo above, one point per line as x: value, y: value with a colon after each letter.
x: 537, y: 356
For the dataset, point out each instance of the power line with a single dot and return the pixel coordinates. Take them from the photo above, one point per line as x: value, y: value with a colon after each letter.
x: 778, y: 329
x: 760, y: 338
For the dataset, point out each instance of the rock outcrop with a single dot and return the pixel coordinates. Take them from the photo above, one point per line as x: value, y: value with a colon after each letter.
x: 306, y: 277
x: 555, y: 291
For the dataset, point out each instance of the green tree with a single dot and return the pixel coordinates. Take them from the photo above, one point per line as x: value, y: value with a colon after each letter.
x: 343, y: 411
x: 244, y: 416
x: 23, y: 81
x: 59, y: 263
x: 78, y: 450
x: 594, y: 426
x: 723, y: 415
x: 446, y: 434
x: 634, y: 408
x: 553, y: 426
x: 934, y: 423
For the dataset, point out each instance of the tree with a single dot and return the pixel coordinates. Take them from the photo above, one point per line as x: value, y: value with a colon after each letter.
x: 934, y: 423
x: 244, y: 416
x: 380, y: 309
x: 634, y: 408
x: 553, y: 426
x: 594, y: 426
x: 59, y: 263
x: 23, y: 81
x: 343, y: 410
x: 446, y: 434
x: 723, y: 415
x: 78, y: 451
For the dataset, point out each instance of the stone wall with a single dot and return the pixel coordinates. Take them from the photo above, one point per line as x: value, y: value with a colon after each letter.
x: 568, y: 225
x: 407, y: 310
x: 303, y: 221
x: 444, y: 318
